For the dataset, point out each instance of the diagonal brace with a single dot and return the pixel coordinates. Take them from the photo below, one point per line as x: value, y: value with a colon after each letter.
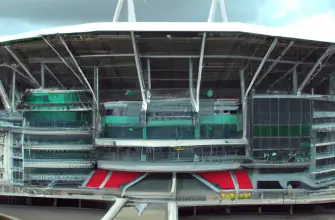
x: 316, y: 68
x: 139, y: 73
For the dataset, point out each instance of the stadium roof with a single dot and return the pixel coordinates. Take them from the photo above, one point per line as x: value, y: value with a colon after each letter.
x: 228, y: 48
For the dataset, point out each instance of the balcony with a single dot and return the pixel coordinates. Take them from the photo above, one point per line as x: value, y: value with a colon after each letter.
x: 188, y: 158
x: 165, y: 128
x: 58, y: 163
x: 57, y: 176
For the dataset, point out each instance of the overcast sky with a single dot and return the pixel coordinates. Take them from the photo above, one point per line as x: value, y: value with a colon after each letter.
x: 19, y: 16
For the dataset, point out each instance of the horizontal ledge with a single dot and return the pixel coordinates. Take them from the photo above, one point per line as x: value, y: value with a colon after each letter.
x: 59, y: 147
x: 284, y: 165
x: 324, y: 144
x: 107, y: 142
x: 165, y: 167
x: 57, y: 164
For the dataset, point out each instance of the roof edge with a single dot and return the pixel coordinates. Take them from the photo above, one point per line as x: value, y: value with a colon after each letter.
x: 288, y: 32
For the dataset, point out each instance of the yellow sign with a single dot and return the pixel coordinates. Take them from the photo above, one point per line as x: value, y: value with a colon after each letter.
x: 179, y: 148
x: 232, y: 196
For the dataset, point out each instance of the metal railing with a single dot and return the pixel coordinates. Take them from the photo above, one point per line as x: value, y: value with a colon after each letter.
x: 171, y: 157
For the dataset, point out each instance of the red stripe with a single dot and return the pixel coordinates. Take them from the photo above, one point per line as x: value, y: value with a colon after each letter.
x: 118, y: 178
x: 97, y: 178
x: 221, y: 178
x: 243, y: 179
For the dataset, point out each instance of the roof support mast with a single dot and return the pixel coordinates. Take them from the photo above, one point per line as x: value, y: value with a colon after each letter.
x: 11, y: 52
x: 118, y: 10
x: 317, y: 67
x: 131, y: 11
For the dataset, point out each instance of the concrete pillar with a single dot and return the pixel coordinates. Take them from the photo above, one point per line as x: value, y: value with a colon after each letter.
x: 259, y: 209
x: 115, y: 209
x: 291, y: 209
x: 194, y: 211
x: 79, y: 203
x: 228, y: 210
x: 55, y: 202
x: 332, y: 84
x: 28, y: 201
x: 295, y: 82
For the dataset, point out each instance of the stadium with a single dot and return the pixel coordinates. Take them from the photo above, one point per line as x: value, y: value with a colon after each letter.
x: 177, y: 114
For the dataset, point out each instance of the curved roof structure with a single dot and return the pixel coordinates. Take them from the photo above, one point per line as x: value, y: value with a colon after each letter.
x: 122, y: 51
x: 304, y: 33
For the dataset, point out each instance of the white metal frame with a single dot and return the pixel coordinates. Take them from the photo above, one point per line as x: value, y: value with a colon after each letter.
x: 139, y: 73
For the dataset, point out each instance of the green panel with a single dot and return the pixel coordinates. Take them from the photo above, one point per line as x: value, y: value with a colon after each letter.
x: 52, y: 98
x: 67, y: 119
x: 220, y: 119
x: 52, y: 108
x: 120, y: 120
x: 169, y: 122
x: 124, y: 132
x: 281, y: 131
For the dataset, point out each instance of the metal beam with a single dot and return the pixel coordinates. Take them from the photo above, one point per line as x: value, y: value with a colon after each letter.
x: 95, y: 107
x: 244, y: 107
x: 79, y: 69
x: 182, y: 56
x: 115, y: 209
x: 11, y: 52
x: 191, y: 83
x: 139, y: 73
x: 317, y: 67
x: 27, y: 79
x: 131, y: 11
x: 294, y: 68
x: 42, y: 76
x: 201, y: 60
x: 149, y: 73
x: 65, y: 62
x: 273, y: 45
x: 53, y: 75
x: 118, y: 10
x: 295, y: 82
x: 274, y: 63
x: 13, y: 89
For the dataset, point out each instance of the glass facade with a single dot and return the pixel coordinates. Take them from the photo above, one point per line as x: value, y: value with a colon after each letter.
x: 281, y: 129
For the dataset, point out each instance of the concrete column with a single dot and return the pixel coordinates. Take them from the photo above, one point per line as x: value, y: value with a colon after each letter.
x: 42, y: 75
x: 295, y: 82
x: 115, y: 209
x: 332, y: 83
x: 228, y: 210
x: 172, y: 211
x: 55, y: 202
x: 291, y: 209
x: 259, y: 209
